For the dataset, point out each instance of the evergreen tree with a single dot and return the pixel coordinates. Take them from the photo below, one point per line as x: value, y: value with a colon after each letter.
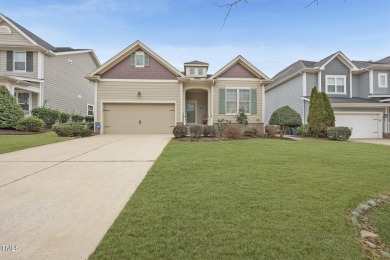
x: 316, y: 117
x: 329, y: 113
x: 10, y: 110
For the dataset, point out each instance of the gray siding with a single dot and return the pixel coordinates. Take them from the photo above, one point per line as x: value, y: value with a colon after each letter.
x: 286, y: 94
x: 355, y: 86
x: 3, y: 66
x: 336, y: 67
x: 15, y: 38
x: 364, y: 85
x: 311, y: 81
x: 377, y: 90
x: 64, y: 82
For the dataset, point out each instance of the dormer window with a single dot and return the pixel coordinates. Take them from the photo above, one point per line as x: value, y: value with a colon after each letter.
x: 192, y: 71
x: 200, y: 72
x: 139, y: 59
x: 382, y: 80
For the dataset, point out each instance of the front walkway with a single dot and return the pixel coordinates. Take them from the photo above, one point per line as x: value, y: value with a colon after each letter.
x: 57, y: 201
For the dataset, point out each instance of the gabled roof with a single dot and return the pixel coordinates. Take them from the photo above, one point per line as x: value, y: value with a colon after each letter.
x: 34, y: 39
x: 196, y: 62
x: 291, y: 70
x: 125, y: 53
x: 344, y: 59
x: 243, y: 62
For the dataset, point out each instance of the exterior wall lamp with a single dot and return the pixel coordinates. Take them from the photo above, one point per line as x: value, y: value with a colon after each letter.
x: 139, y: 94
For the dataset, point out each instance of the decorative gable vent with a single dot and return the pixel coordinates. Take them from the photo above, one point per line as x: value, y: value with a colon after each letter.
x: 5, y: 30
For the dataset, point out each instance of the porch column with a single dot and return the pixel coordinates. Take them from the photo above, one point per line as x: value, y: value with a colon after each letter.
x: 209, y: 115
x: 184, y: 107
x: 39, y: 95
x: 12, y: 90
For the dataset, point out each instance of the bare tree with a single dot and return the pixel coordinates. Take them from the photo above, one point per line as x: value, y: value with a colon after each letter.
x: 229, y: 7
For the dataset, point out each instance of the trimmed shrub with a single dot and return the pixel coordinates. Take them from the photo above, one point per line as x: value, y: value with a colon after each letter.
x: 64, y: 117
x: 339, y: 133
x: 180, y: 131
x: 285, y: 117
x: 10, y: 111
x: 49, y: 116
x: 303, y: 130
x: 233, y: 132
x: 196, y: 131
x: 77, y: 118
x: 251, y: 132
x: 89, y: 125
x: 270, y: 130
x: 30, y: 124
x: 209, y: 131
x: 71, y: 130
x: 222, y: 124
x: 89, y: 119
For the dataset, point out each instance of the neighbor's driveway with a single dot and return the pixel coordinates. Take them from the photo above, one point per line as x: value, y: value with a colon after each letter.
x: 372, y: 141
x: 57, y: 201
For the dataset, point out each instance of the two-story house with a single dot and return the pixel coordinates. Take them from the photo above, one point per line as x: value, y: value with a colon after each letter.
x: 39, y: 74
x: 137, y: 91
x: 359, y: 91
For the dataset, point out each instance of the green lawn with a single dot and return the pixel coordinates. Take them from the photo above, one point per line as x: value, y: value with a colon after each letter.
x: 253, y: 199
x: 380, y: 219
x: 10, y: 143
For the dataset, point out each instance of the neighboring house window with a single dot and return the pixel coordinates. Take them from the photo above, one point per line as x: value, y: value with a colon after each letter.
x: 19, y: 61
x: 139, y: 59
x: 200, y: 72
x: 336, y: 84
x: 382, y: 80
x: 23, y: 99
x: 236, y: 99
x: 192, y: 71
x: 89, y: 110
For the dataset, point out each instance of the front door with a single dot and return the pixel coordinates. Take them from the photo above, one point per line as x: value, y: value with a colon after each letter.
x: 24, y: 100
x: 191, y: 112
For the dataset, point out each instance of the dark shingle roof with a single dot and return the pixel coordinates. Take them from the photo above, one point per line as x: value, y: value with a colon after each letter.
x: 32, y: 36
x: 384, y: 60
x: 196, y: 62
x: 66, y: 49
x: 362, y: 64
x: 351, y: 100
x: 290, y: 70
x: 324, y: 60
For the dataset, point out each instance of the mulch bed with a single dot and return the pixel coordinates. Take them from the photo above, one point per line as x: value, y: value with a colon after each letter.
x: 16, y: 132
x: 218, y: 139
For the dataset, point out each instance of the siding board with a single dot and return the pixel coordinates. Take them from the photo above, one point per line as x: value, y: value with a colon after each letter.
x: 336, y: 67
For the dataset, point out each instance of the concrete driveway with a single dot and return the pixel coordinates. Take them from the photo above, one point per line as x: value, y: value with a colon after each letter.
x: 57, y: 201
x: 372, y: 141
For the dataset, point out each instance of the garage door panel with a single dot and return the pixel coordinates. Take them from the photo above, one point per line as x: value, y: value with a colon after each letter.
x: 139, y: 118
x: 363, y: 125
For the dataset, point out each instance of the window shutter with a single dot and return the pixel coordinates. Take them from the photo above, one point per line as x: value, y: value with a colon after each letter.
x: 132, y: 60
x: 146, y: 60
x: 29, y: 61
x: 222, y: 102
x: 10, y: 60
x: 253, y: 101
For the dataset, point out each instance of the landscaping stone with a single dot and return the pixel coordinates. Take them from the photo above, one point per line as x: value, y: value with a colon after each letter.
x: 365, y: 233
x: 364, y: 207
x: 355, y: 213
x: 371, y: 203
x: 385, y: 254
x: 355, y: 222
x: 372, y: 245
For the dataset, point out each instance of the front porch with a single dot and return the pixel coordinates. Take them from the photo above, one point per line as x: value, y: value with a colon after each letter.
x: 28, y: 94
x: 197, y: 106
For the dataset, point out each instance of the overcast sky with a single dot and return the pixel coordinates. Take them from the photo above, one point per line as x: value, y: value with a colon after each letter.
x: 271, y: 34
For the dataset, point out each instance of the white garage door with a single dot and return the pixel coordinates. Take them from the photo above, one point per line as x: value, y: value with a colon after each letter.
x: 363, y: 125
x: 138, y: 118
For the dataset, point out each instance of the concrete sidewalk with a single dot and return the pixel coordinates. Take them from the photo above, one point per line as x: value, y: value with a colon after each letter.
x: 57, y: 201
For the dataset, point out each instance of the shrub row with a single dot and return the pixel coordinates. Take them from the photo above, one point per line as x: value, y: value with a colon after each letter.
x: 230, y: 131
x: 72, y: 130
x: 30, y: 124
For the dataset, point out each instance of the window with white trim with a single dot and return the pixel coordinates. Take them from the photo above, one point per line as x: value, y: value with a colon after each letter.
x: 139, y: 59
x: 192, y: 71
x: 236, y: 99
x: 89, y: 110
x: 336, y: 84
x: 19, y: 61
x: 200, y: 72
x: 382, y: 80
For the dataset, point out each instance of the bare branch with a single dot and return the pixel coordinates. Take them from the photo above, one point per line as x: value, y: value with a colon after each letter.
x: 229, y: 6
x: 312, y: 2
